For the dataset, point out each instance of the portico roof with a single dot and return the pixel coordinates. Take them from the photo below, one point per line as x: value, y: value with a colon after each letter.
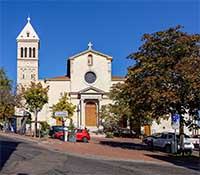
x: 91, y: 89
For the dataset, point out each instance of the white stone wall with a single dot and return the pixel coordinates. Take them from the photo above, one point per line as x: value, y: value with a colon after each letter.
x: 56, y: 89
x: 165, y: 126
x: 26, y: 66
x: 79, y: 66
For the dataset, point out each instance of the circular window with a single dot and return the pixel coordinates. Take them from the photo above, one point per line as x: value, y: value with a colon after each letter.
x: 90, y: 77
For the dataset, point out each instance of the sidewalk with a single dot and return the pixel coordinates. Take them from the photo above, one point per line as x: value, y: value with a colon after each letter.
x: 116, y: 148
x: 112, y: 149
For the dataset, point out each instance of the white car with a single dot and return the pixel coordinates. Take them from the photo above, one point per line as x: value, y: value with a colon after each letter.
x: 165, y: 141
x: 195, y: 140
x: 150, y: 139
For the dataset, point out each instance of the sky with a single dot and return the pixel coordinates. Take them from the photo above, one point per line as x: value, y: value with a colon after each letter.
x: 65, y: 28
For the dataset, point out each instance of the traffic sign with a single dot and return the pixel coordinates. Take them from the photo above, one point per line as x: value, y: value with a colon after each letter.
x: 175, y: 121
x: 61, y: 113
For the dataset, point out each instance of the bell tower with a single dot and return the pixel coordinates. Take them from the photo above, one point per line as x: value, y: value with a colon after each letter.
x: 27, y: 55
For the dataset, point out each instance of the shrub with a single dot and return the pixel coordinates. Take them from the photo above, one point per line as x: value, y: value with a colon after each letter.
x: 71, y: 126
x: 109, y: 135
x: 45, y: 128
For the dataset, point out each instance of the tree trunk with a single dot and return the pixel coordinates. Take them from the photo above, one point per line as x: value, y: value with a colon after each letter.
x: 135, y: 125
x: 35, y: 130
x: 181, y: 133
x: 22, y: 129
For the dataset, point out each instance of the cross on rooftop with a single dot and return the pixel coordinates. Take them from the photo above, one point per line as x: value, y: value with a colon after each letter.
x: 28, y: 19
x: 89, y: 45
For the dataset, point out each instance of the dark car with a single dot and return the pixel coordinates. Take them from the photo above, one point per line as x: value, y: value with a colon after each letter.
x: 55, y: 129
x: 124, y: 132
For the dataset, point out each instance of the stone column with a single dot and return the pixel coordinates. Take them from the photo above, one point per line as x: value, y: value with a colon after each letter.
x: 99, y: 110
x: 82, y: 116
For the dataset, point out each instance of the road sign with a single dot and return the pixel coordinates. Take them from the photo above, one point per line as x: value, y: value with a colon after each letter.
x: 198, y: 119
x: 175, y: 121
x: 61, y: 113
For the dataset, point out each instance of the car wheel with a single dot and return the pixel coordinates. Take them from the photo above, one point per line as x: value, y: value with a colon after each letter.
x: 188, y: 152
x: 85, y: 139
x: 150, y: 144
x: 168, y: 148
x: 61, y: 137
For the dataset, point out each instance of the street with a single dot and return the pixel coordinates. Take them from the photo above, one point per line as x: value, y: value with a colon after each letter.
x: 27, y: 158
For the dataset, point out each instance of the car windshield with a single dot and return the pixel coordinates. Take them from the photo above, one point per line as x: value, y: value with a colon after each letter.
x: 58, y: 128
x: 156, y: 135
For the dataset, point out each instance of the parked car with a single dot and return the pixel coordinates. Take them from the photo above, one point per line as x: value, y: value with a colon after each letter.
x: 55, y: 129
x: 195, y: 139
x: 123, y: 132
x: 165, y: 140
x: 81, y: 135
x: 149, y: 139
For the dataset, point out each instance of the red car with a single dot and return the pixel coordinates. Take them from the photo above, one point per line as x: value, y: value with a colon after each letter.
x: 81, y: 135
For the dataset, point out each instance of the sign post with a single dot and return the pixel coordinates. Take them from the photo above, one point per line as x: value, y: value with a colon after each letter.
x: 175, y: 123
x: 62, y: 114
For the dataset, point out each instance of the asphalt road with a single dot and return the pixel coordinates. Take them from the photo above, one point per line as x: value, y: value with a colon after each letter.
x: 18, y: 157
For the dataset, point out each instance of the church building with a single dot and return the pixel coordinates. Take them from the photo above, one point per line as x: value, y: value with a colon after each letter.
x: 88, y: 81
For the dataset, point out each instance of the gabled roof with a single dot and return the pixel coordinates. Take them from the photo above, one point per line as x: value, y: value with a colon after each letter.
x: 91, y: 90
x: 118, y: 78
x: 58, y: 78
x: 28, y: 33
x: 66, y: 78
x: 91, y: 51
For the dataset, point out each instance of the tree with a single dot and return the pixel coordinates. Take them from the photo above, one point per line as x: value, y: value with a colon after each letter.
x: 166, y: 76
x: 120, y: 94
x: 109, y: 119
x: 63, y: 105
x: 8, y: 99
x: 36, y: 97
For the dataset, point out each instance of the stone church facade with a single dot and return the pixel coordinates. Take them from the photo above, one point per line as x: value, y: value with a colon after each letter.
x: 87, y: 83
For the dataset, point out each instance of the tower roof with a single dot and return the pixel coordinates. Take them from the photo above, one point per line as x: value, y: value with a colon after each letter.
x: 28, y: 32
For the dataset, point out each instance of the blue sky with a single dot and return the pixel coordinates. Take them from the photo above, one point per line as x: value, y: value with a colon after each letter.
x: 65, y: 28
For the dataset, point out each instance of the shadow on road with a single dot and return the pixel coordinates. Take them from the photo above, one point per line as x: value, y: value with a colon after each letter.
x: 125, y: 145
x: 190, y: 162
x: 6, y: 149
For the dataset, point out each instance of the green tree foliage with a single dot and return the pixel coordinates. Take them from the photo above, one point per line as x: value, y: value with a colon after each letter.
x: 45, y: 128
x: 6, y: 97
x: 36, y: 97
x: 166, y: 76
x: 109, y: 118
x: 8, y: 100
x: 63, y: 105
x: 120, y: 94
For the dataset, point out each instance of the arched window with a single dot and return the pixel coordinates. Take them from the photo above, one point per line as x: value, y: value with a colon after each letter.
x: 25, y: 54
x: 34, y: 52
x: 22, y: 52
x: 90, y: 60
x: 30, y: 52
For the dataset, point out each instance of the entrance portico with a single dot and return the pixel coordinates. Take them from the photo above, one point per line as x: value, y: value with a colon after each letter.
x: 89, y: 108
